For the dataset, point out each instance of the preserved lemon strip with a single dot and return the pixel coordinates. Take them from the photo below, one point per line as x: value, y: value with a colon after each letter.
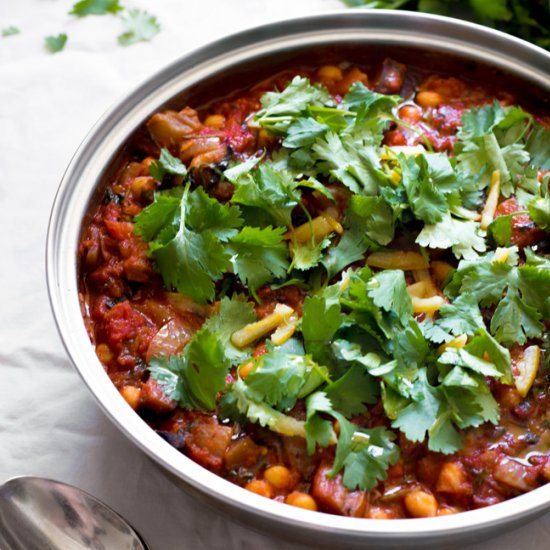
x: 417, y: 290
x: 441, y: 270
x: 285, y: 330
x: 458, y: 342
x: 398, y: 259
x: 318, y: 228
x: 427, y: 305
x: 488, y: 212
x: 423, y: 275
x: 501, y: 255
x: 253, y: 331
x: 527, y: 369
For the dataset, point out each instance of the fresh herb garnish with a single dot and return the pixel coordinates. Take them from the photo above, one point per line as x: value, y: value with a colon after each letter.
x: 10, y: 31
x: 56, y: 43
x: 95, y: 7
x: 139, y: 26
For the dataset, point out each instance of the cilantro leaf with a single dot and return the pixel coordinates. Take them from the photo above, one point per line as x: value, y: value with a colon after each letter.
x: 421, y: 414
x: 55, y: 44
x: 319, y: 430
x: 167, y: 164
x: 461, y: 316
x: 462, y: 236
x: 139, y: 26
x: 484, y: 345
x: 166, y: 372
x: 280, y: 378
x: 233, y: 314
x: 307, y: 255
x: 281, y: 108
x: 376, y: 216
x: 196, y: 376
x: 95, y: 7
x: 10, y: 31
x: 184, y: 239
x: 388, y: 291
x: 325, y: 306
x: 514, y: 321
x: 272, y: 192
x: 259, y: 255
x: 365, y: 454
x: 204, y: 213
x: 369, y: 104
x: 539, y: 211
x: 352, y: 390
x: 463, y: 358
x: 353, y: 243
x: 303, y: 133
x: 427, y: 201
x: 538, y: 146
x: 357, y: 169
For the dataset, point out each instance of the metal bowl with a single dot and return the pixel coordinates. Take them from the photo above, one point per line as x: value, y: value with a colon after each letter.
x: 233, y: 62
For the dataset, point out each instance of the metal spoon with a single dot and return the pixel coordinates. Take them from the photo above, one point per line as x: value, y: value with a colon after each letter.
x: 42, y: 514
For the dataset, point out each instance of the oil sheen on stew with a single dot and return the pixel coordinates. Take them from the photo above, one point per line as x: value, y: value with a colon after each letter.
x: 332, y: 289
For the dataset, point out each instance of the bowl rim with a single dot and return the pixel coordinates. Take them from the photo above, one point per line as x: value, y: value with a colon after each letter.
x: 72, y: 200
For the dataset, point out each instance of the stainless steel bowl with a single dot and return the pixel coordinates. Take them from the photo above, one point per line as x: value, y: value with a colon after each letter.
x: 234, y: 61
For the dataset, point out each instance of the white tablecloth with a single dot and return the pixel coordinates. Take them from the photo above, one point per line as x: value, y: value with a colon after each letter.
x: 49, y: 424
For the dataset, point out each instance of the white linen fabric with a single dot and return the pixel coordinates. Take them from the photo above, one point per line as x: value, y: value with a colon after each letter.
x: 49, y: 423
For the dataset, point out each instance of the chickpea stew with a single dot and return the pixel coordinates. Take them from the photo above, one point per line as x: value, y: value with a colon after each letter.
x: 333, y: 289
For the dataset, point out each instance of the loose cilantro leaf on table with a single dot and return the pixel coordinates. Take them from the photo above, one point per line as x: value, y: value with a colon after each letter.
x: 10, y: 31
x: 139, y: 26
x: 56, y: 43
x: 95, y: 7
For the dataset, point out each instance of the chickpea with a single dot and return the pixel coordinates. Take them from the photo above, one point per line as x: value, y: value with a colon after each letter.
x: 421, y: 504
x: 278, y: 476
x: 301, y: 500
x: 260, y: 487
x: 451, y: 478
x: 378, y: 513
x: 447, y: 511
x: 132, y: 395
x: 215, y: 121
x: 429, y: 99
x: 104, y: 353
x: 330, y: 72
x: 411, y: 113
